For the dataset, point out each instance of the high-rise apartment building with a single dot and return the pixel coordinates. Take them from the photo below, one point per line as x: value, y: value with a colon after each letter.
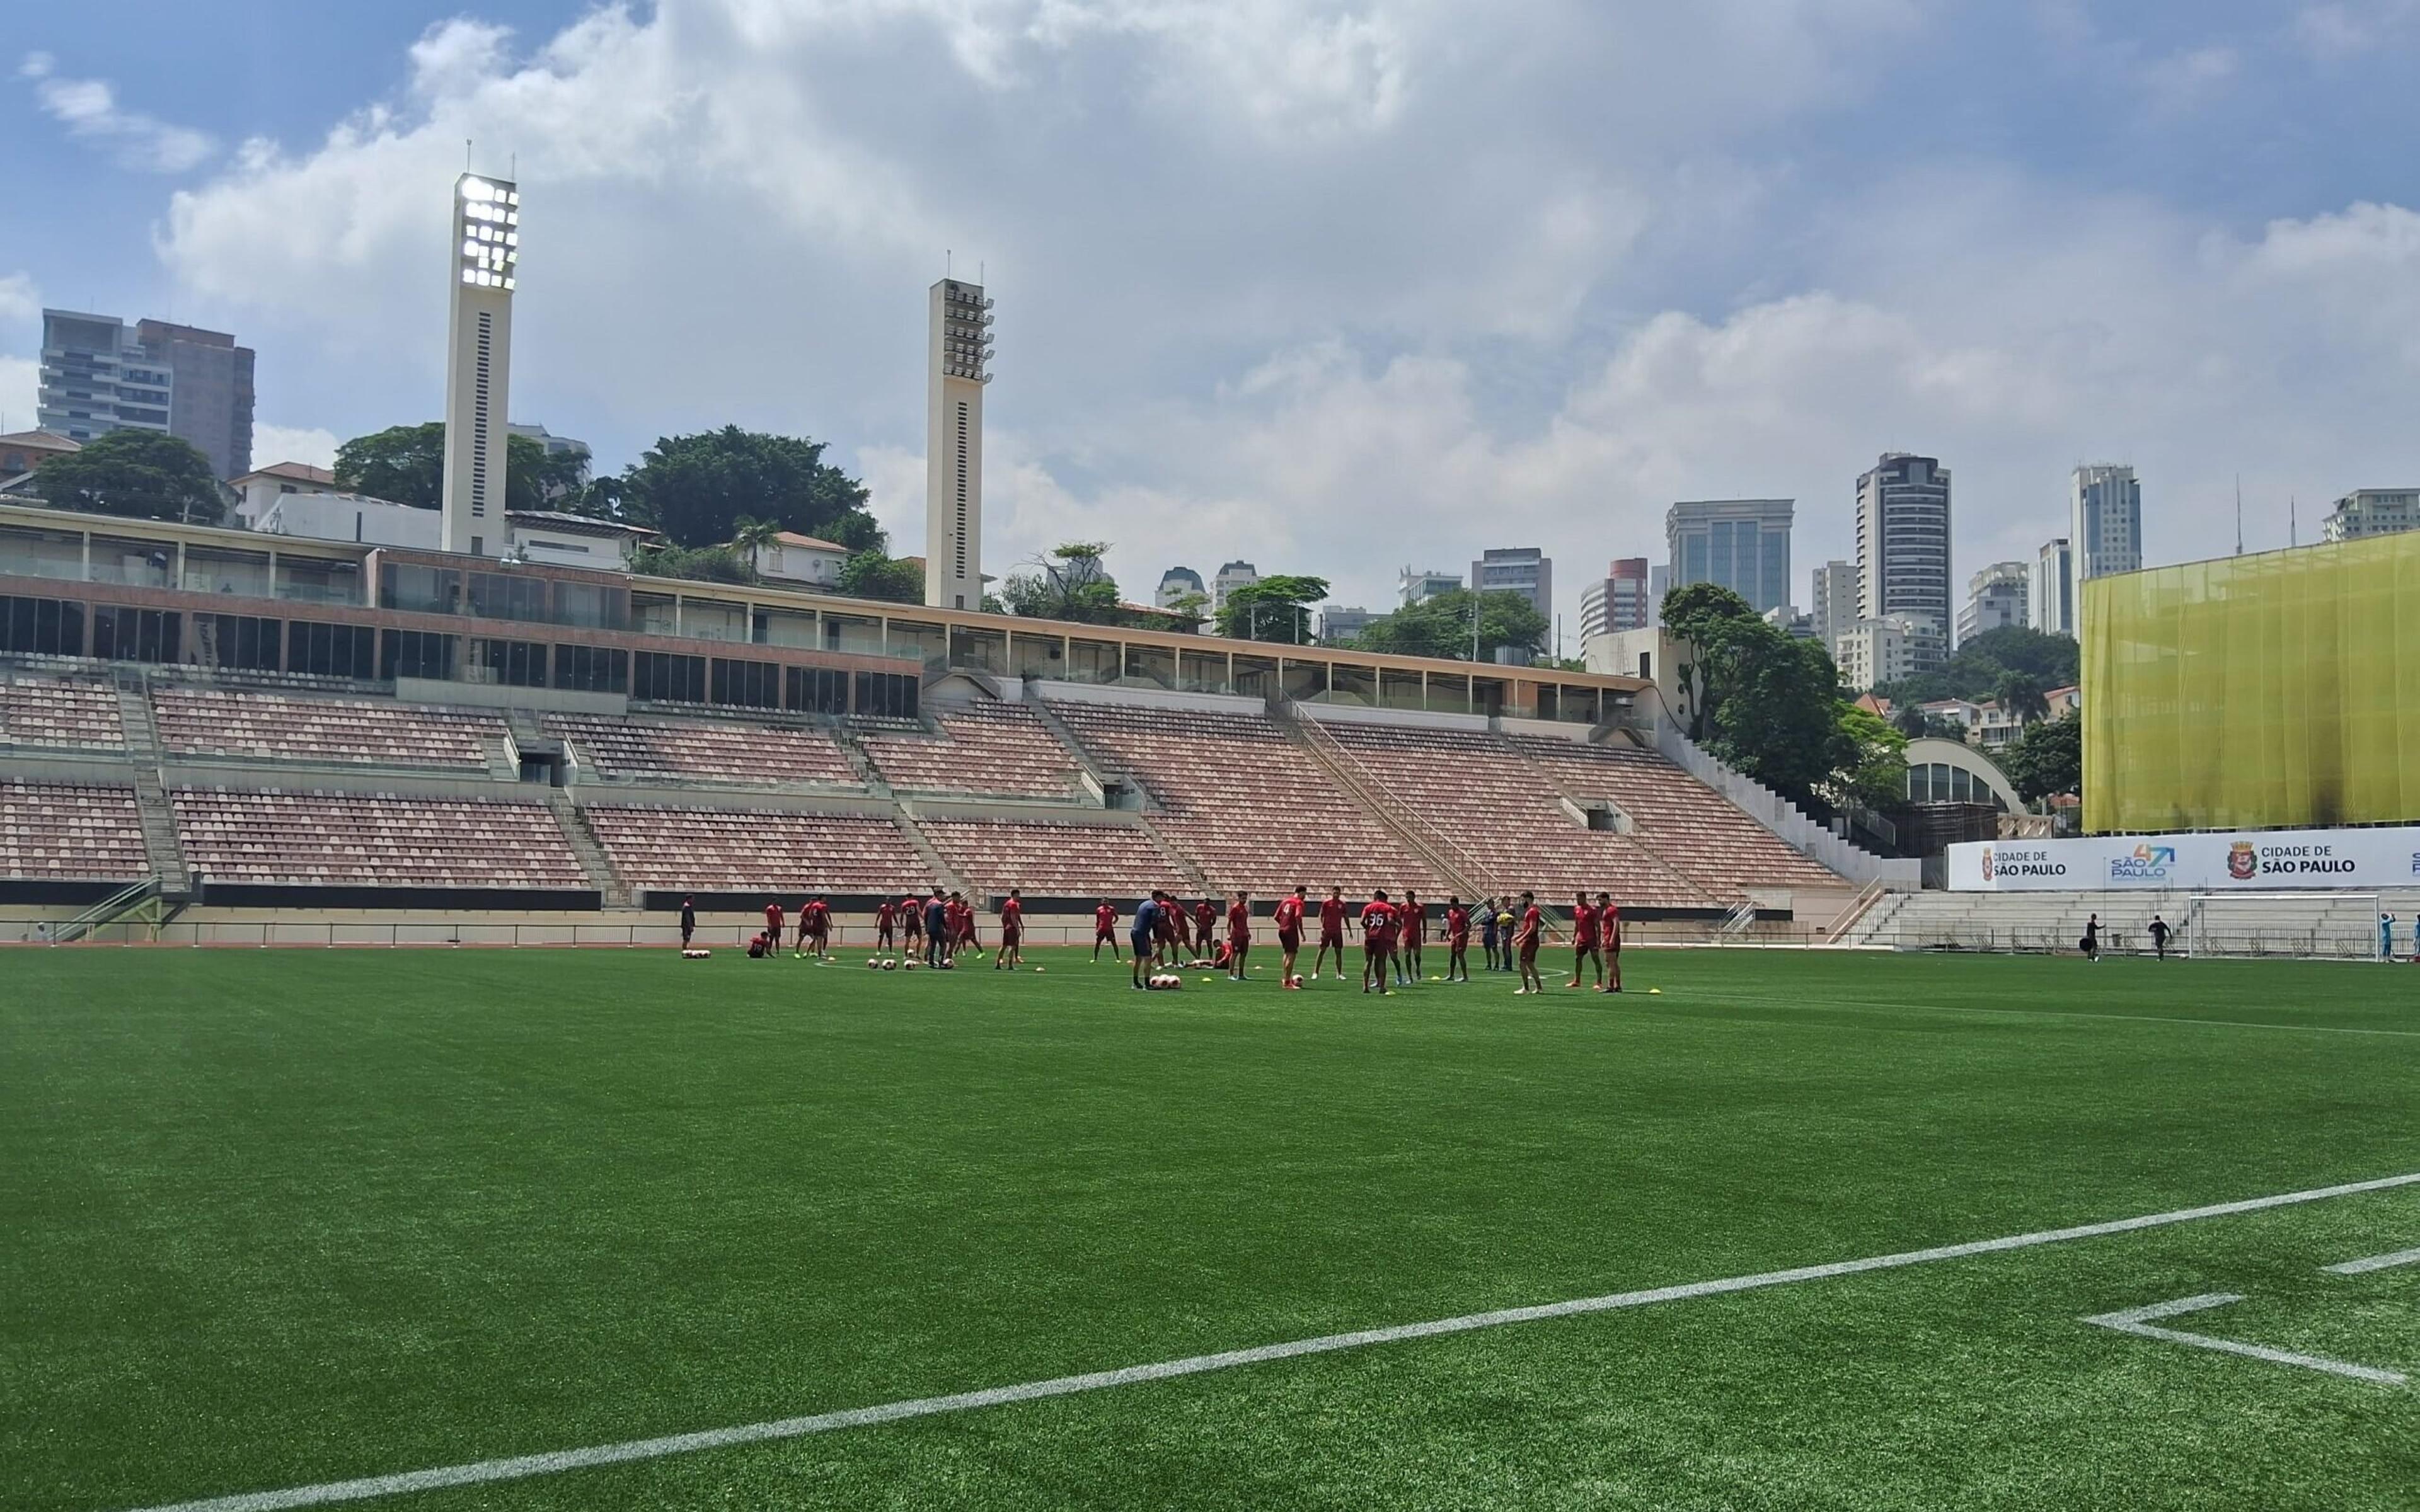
x: 1179, y: 583
x: 1231, y: 575
x: 100, y: 374
x: 961, y: 365
x: 2372, y: 512
x: 1833, y: 601
x: 2104, y: 522
x: 485, y: 259
x: 1888, y: 648
x: 1738, y: 543
x: 2052, y: 604
x: 1903, y: 547
x: 1617, y: 601
x: 1519, y: 569
x: 1995, y: 598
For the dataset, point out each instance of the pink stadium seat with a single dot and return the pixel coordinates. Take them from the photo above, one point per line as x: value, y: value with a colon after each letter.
x: 1251, y: 807
x: 1692, y: 828
x: 59, y: 713
x: 53, y: 831
x: 737, y: 849
x: 199, y: 722
x: 347, y: 840
x: 999, y: 749
x: 703, y: 751
x: 1065, y: 860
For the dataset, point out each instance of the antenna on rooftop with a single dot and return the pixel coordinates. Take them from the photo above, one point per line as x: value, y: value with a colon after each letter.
x: 466, y: 154
x: 2293, y: 522
x: 2239, y: 514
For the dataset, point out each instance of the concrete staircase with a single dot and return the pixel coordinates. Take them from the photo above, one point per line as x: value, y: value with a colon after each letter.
x: 610, y: 886
x: 165, y: 852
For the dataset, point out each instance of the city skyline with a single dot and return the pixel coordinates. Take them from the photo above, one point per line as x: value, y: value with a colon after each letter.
x: 1598, y: 337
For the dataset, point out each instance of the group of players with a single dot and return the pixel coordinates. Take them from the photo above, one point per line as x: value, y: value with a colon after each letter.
x: 1166, y: 934
x: 1394, y: 937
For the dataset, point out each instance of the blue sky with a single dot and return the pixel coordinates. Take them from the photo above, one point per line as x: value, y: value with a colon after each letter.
x: 1338, y: 288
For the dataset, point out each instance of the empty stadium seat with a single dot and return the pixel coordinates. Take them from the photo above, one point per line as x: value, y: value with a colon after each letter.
x: 201, y: 722
x: 1065, y: 860
x: 738, y: 850
x: 702, y: 750
x: 1000, y: 748
x: 59, y: 832
x: 1687, y: 823
x: 349, y: 840
x: 1500, y: 811
x: 59, y: 713
x: 1251, y: 807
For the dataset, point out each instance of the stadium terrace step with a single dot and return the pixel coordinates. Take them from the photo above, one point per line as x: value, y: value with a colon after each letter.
x: 591, y: 851
x: 161, y: 847
x: 59, y: 714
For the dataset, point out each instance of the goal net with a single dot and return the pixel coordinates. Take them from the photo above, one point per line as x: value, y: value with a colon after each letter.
x: 2335, y: 926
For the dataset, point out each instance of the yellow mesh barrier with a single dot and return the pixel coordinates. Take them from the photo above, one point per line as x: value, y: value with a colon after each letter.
x: 2259, y: 691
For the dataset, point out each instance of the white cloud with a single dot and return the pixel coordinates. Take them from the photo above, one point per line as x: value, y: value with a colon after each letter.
x: 2346, y: 29
x: 290, y: 443
x: 20, y: 300
x: 1334, y: 285
x: 20, y: 382
x: 2190, y: 79
x: 88, y: 108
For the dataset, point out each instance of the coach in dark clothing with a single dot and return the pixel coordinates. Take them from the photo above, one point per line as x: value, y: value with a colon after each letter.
x: 936, y: 929
x: 688, y: 921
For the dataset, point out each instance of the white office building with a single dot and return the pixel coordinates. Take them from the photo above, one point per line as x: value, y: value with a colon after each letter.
x: 1995, y: 598
x: 960, y: 319
x: 2051, y: 604
x: 2367, y: 512
x: 1738, y: 543
x: 1903, y: 542
x: 1177, y: 584
x: 1230, y: 577
x: 1833, y: 600
x: 1885, y: 648
x: 1617, y: 601
x: 2104, y: 522
x: 1414, y: 584
x: 485, y: 262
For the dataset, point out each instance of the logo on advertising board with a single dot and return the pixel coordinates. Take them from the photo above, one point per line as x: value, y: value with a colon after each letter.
x: 2243, y: 863
x: 1987, y: 863
x: 2145, y: 863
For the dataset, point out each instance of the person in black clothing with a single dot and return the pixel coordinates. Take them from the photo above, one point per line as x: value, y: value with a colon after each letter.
x: 688, y: 921
x: 2090, y: 944
x: 936, y: 928
x: 2159, y: 936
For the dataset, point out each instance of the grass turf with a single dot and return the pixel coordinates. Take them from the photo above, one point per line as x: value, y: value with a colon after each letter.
x: 277, y: 1218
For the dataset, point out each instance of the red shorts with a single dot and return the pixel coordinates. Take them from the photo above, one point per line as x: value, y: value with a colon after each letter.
x: 1104, y: 931
x: 1528, y: 949
x: 1328, y: 937
x: 1587, y: 944
x: 1289, y: 939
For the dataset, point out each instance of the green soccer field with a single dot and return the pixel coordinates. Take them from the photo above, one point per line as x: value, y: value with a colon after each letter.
x: 281, y: 1220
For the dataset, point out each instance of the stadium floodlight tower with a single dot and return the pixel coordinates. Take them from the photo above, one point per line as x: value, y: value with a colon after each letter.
x: 961, y: 365
x: 486, y: 261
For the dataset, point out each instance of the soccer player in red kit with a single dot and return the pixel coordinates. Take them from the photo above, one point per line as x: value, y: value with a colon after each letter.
x: 1104, y: 930
x: 1331, y: 933
x: 1527, y: 934
x: 1609, y: 923
x: 1457, y: 940
x: 966, y: 934
x: 1289, y: 922
x: 1239, y: 934
x: 1205, y: 925
x: 886, y: 926
x: 1584, y: 946
x: 816, y: 923
x: 1411, y: 933
x: 773, y: 924
x: 911, y: 920
x: 1377, y: 940
x: 1011, y: 933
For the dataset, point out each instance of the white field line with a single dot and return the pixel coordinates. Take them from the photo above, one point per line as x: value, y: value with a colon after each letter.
x: 2137, y: 1321
x: 2375, y: 1263
x: 486, y: 1470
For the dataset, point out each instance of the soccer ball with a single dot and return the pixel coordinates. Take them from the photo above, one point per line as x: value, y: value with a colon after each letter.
x: 872, y: 963
x: 1165, y: 983
x: 912, y: 964
x: 1295, y: 981
x: 696, y: 955
x: 1037, y: 971
x: 889, y: 965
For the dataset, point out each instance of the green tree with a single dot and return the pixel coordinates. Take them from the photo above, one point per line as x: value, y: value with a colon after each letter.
x: 871, y: 575
x: 1440, y: 627
x: 751, y: 536
x: 2047, y: 759
x: 1071, y: 582
x: 706, y: 563
x: 695, y: 489
x: 1715, y: 627
x: 406, y: 465
x: 1272, y: 609
x: 1876, y: 778
x: 139, y: 474
x: 1779, y: 717
x: 2025, y: 697
x: 1974, y: 672
x: 1193, y: 606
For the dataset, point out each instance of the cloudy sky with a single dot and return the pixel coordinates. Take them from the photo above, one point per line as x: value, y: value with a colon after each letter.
x: 1333, y: 287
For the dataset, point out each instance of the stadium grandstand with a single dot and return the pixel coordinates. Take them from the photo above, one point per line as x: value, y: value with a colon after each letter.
x: 203, y: 724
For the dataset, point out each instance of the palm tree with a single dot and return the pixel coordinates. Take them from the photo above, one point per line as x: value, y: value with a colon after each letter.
x: 750, y: 537
x: 2025, y: 697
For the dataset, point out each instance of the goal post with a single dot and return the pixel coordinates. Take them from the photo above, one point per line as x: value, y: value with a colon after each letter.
x: 2335, y: 926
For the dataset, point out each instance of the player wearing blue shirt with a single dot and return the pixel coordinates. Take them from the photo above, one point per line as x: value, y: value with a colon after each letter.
x: 1145, y: 935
